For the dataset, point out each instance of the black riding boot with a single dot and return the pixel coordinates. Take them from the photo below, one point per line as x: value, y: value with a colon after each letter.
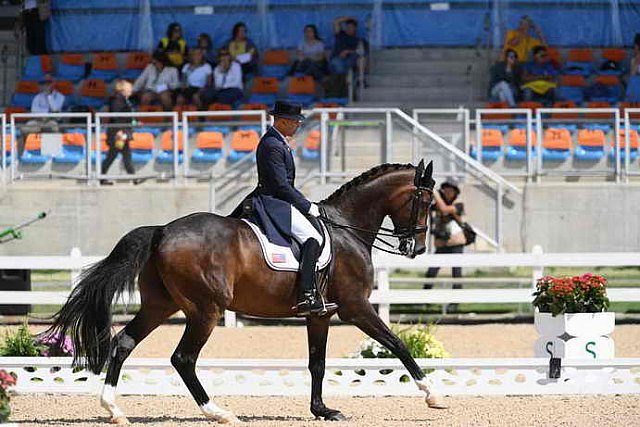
x: 309, y: 302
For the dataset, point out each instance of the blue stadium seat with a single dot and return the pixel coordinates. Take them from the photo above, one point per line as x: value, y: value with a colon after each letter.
x: 262, y: 98
x: 576, y: 68
x: 224, y: 130
x: 71, y: 72
x: 277, y: 71
x: 70, y: 155
x: 517, y: 153
x: 570, y: 93
x: 209, y: 146
x: 34, y: 69
x: 23, y: 100
x: 584, y: 153
x: 304, y: 99
x: 340, y: 101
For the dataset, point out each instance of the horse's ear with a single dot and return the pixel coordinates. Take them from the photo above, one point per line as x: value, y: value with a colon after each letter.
x: 419, y: 171
x: 427, y: 179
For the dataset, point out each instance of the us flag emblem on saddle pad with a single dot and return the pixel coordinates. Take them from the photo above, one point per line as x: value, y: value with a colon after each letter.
x: 277, y: 258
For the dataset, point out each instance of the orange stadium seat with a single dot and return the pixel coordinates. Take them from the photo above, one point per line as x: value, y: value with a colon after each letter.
x: 210, y: 140
x: 599, y: 115
x: 492, y: 138
x: 135, y: 63
x: 9, y: 111
x: 313, y: 140
x: 572, y: 80
x: 580, y: 55
x: 65, y: 87
x: 142, y: 141
x: 220, y: 107
x: 265, y: 85
x: 608, y: 80
x: 518, y: 138
x: 93, y: 92
x: 633, y: 139
x: 166, y: 141
x: 614, y: 54
x: 557, y: 139
x: 181, y: 108
x: 104, y: 66
x: 244, y: 140
x: 72, y: 59
x: 532, y: 105
x: 302, y: 85
x: 27, y: 87
x: 497, y: 106
x: 252, y: 107
x: 70, y: 67
x: 34, y: 142
x: 75, y: 139
x: 625, y: 105
x: 276, y: 57
x: 554, y: 55
x: 591, y: 138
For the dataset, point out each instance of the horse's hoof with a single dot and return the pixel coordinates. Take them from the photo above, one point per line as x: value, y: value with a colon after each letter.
x: 226, y: 418
x: 434, y: 402
x: 337, y: 416
x: 121, y: 421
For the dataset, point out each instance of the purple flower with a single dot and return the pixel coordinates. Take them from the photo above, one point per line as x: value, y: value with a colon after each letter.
x: 56, y: 344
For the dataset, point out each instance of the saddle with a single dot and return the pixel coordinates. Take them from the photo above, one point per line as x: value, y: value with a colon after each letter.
x: 284, y: 258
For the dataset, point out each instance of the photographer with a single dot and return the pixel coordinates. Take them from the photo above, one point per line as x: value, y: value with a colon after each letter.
x: 447, y: 230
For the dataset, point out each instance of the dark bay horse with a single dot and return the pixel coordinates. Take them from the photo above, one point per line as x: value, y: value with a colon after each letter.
x: 203, y: 264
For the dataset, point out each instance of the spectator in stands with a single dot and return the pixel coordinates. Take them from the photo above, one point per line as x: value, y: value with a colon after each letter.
x: 311, y: 59
x: 174, y: 45
x: 349, y: 50
x: 521, y: 41
x: 157, y: 82
x: 47, y: 101
x: 205, y: 43
x: 227, y: 79
x: 539, y: 77
x: 634, y: 69
x: 119, y: 133
x: 505, y: 78
x: 196, y: 75
x: 449, y: 237
x: 243, y: 50
x: 34, y: 16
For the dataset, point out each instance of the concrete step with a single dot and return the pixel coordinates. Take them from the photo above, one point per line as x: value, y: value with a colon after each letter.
x: 413, y: 54
x: 418, y: 81
x: 443, y: 94
x: 423, y: 67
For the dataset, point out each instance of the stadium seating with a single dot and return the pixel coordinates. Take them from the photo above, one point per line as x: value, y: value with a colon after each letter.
x: 606, y: 89
x: 516, y: 149
x: 275, y: 63
x: 633, y: 145
x: 26, y: 90
x: 9, y: 111
x: 616, y: 55
x: 187, y: 107
x: 556, y: 144
x: 302, y: 90
x: 564, y: 116
x: 151, y: 119
x: 136, y: 63
x: 93, y: 93
x: 36, y: 67
x: 590, y: 145
x: 209, y: 145
x: 311, y: 149
x: 492, y: 143
x: 32, y: 150
x: 579, y: 62
x: 633, y: 89
x: 264, y: 90
x: 7, y: 151
x: 571, y: 88
x: 252, y: 107
x: 220, y: 107
x: 242, y: 143
x: 104, y: 66
x: 104, y: 148
x: 73, y: 148
x: 71, y: 66
x: 166, y: 147
x: 141, y: 146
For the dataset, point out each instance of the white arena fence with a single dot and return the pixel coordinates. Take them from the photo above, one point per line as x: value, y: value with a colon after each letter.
x: 384, y: 296
x: 344, y: 377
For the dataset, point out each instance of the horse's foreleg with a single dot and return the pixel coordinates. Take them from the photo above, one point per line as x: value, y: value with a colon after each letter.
x: 184, y: 360
x: 317, y: 329
x: 368, y: 321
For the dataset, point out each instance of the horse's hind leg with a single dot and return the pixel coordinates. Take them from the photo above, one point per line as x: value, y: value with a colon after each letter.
x: 365, y: 318
x: 156, y: 306
x: 196, y: 333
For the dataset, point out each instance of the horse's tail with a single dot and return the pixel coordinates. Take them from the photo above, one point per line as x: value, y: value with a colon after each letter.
x: 86, y: 316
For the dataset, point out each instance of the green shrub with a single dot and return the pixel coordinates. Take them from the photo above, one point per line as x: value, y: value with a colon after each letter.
x: 419, y: 340
x: 20, y: 344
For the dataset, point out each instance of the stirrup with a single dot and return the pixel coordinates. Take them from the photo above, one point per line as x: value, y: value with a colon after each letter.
x: 311, y: 306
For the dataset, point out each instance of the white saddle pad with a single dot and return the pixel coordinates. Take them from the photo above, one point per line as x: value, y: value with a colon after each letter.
x: 281, y: 258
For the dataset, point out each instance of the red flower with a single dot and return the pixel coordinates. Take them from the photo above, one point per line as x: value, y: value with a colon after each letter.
x: 6, y: 379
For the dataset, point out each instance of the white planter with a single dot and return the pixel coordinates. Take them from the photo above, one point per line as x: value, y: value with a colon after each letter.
x: 575, y: 336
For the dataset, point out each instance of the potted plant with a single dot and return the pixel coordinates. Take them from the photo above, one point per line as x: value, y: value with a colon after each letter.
x: 571, y: 317
x: 6, y: 381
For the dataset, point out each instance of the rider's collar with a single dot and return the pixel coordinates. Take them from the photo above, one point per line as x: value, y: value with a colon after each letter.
x: 281, y: 136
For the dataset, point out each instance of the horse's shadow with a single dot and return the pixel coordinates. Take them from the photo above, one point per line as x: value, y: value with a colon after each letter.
x: 159, y: 419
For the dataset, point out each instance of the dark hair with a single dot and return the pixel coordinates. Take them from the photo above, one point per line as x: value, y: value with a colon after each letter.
x: 207, y: 37
x: 510, y: 51
x: 223, y: 52
x: 636, y: 40
x: 452, y: 186
x: 351, y: 21
x: 537, y: 49
x: 236, y: 28
x: 160, y: 56
x: 172, y: 27
x: 315, y: 31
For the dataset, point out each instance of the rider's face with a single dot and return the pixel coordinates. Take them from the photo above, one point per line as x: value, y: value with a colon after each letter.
x: 288, y: 127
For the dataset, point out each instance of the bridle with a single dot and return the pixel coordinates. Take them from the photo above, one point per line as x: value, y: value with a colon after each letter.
x: 406, y: 235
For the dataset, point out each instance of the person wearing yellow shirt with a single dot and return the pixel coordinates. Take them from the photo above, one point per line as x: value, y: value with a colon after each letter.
x: 243, y: 50
x: 521, y: 41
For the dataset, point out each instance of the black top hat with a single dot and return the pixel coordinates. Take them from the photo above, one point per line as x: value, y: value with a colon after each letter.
x: 287, y: 110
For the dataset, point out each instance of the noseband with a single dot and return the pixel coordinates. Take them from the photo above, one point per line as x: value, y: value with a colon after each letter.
x: 406, y: 235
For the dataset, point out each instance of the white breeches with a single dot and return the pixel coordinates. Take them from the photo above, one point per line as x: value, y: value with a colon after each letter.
x: 302, y: 229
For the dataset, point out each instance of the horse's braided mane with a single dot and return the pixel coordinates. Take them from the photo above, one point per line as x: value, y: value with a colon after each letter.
x: 366, y: 177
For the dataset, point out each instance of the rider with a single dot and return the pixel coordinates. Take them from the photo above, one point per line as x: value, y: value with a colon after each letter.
x: 277, y: 197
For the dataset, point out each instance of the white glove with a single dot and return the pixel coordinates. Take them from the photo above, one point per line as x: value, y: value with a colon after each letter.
x: 314, y: 210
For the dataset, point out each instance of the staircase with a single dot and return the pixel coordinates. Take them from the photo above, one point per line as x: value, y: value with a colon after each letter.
x: 426, y: 78
x: 9, y: 66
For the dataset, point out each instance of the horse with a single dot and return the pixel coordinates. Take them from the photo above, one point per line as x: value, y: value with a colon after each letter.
x: 204, y: 264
